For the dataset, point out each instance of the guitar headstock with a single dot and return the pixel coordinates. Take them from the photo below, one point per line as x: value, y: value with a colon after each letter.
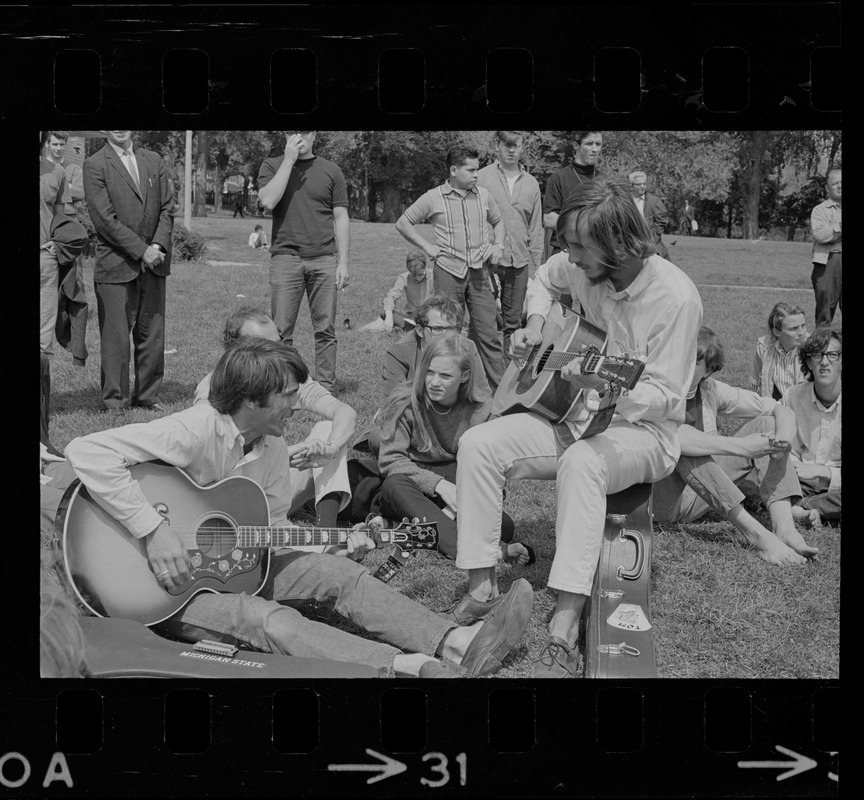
x: 621, y: 371
x: 415, y: 535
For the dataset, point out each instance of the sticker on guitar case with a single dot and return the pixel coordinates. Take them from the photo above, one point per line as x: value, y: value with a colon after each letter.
x: 629, y: 617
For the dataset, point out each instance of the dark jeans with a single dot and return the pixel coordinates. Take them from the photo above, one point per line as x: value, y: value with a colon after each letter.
x: 290, y: 277
x: 137, y: 307
x: 401, y: 497
x: 474, y: 291
x: 827, y: 280
x: 514, y: 284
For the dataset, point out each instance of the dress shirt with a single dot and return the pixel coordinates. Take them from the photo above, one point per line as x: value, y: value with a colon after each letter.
x: 522, y: 209
x: 130, y: 161
x: 207, y: 445
x: 657, y: 318
x: 818, y: 430
x: 459, y: 218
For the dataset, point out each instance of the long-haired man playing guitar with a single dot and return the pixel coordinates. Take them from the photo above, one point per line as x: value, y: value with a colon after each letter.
x: 650, y: 310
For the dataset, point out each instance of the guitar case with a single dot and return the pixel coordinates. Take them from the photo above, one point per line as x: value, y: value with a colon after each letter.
x: 618, y: 640
x: 122, y: 648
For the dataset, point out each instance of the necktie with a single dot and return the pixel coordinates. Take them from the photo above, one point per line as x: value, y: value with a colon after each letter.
x: 131, y: 167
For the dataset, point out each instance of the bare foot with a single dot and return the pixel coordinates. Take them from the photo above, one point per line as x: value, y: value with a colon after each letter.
x: 790, y: 536
x: 515, y: 553
x: 809, y: 517
x: 778, y: 553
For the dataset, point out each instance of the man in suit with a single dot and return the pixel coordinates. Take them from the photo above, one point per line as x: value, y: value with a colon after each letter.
x: 130, y: 205
x: 652, y: 209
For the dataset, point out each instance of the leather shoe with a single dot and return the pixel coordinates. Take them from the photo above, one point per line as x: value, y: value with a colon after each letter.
x: 469, y: 610
x: 556, y: 659
x: 501, y: 631
x: 442, y: 669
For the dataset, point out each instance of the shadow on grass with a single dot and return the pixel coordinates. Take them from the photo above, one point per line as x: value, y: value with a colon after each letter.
x: 90, y: 398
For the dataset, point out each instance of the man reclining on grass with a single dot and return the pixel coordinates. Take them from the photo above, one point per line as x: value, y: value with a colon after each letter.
x: 713, y: 469
x: 254, y: 390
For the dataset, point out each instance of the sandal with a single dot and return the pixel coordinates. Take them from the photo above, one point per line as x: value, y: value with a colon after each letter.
x: 508, y: 559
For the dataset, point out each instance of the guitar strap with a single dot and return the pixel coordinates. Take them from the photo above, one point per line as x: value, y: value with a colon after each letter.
x: 599, y: 422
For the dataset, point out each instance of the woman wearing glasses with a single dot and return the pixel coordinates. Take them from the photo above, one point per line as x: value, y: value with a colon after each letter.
x: 817, y: 403
x: 421, y: 425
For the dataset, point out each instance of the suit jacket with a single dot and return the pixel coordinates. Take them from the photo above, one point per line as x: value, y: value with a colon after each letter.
x: 656, y: 215
x: 127, y: 221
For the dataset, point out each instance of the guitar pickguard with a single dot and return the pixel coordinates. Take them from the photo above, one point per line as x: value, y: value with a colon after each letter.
x: 221, y: 568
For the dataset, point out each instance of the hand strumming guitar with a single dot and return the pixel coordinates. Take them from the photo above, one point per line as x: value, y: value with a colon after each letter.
x: 167, y: 555
x: 526, y: 339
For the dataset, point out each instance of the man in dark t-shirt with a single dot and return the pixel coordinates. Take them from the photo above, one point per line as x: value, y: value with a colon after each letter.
x: 309, y: 243
x: 584, y: 168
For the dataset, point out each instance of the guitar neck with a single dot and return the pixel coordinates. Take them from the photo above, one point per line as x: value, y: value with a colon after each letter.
x: 295, y: 536
x: 558, y: 359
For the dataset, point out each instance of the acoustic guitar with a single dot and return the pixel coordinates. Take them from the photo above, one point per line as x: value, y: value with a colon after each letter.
x: 535, y: 383
x: 225, y: 528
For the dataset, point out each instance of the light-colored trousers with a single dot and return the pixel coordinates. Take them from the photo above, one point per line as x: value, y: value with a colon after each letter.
x: 49, y: 272
x: 522, y: 446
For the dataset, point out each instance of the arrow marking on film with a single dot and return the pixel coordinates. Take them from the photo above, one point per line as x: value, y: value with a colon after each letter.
x: 798, y: 765
x: 388, y: 768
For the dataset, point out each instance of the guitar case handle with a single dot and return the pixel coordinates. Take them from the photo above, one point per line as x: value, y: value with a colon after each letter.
x: 635, y: 573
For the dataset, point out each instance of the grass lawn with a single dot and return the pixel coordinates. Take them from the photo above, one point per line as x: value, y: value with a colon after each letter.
x: 718, y: 610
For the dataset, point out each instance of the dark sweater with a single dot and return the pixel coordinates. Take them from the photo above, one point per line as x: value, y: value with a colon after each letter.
x: 399, y: 454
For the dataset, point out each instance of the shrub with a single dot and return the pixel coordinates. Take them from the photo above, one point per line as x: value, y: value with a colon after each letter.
x: 187, y: 245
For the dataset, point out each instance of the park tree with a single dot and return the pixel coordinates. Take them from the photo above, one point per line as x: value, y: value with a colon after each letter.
x: 199, y: 203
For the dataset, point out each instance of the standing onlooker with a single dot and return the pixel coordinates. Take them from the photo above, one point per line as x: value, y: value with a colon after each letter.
x: 459, y: 210
x: 130, y: 205
x: 518, y: 197
x: 776, y: 367
x: 689, y: 225
x: 53, y: 195
x: 71, y: 328
x: 584, y: 168
x: 827, y: 276
x: 309, y: 201
x: 651, y: 208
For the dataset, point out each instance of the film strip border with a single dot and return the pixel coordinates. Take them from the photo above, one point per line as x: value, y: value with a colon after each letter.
x: 711, y: 66
x: 608, y: 739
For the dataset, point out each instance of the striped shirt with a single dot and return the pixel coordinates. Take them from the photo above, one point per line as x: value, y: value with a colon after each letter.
x: 818, y: 430
x: 459, y: 219
x: 657, y: 318
x: 772, y: 367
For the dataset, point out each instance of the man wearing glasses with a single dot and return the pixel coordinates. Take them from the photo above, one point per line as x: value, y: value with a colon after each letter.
x: 817, y: 403
x: 309, y: 243
x: 436, y: 315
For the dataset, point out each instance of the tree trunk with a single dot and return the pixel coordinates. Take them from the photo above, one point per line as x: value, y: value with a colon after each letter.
x: 790, y: 234
x: 753, y: 183
x: 728, y: 220
x: 199, y: 206
x: 372, y: 202
x: 392, y: 203
x: 217, y: 188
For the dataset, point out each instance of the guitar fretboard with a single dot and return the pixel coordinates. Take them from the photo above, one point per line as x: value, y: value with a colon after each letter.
x: 263, y: 536
x: 558, y: 359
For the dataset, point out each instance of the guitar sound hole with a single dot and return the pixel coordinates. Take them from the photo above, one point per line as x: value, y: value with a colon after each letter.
x: 216, y: 537
x: 544, y: 357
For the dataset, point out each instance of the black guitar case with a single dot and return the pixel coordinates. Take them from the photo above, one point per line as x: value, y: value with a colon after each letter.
x: 122, y: 648
x: 618, y: 640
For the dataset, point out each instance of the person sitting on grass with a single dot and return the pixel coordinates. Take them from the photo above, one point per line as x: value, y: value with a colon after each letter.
x: 253, y: 392
x: 714, y: 469
x: 328, y: 479
x: 436, y: 315
x: 775, y: 359
x: 412, y: 287
x: 421, y: 426
x: 817, y: 404
x: 258, y: 239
